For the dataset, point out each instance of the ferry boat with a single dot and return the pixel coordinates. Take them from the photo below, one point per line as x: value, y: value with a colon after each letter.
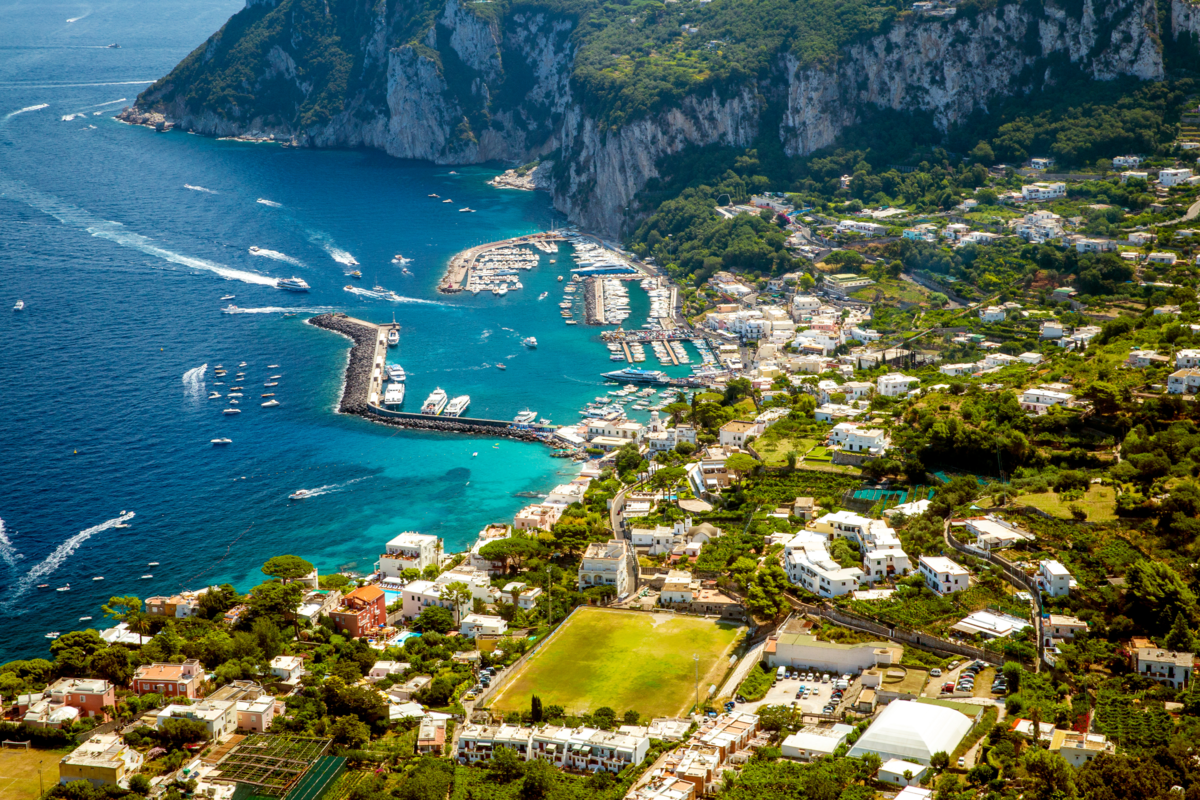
x: 530, y: 342
x: 394, y: 394
x: 435, y: 402
x: 395, y: 372
x: 458, y: 405
x: 270, y: 404
x: 526, y: 417
x: 292, y: 284
x: 216, y: 443
x: 637, y: 375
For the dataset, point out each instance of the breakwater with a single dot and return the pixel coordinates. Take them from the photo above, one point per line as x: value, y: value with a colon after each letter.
x: 360, y: 382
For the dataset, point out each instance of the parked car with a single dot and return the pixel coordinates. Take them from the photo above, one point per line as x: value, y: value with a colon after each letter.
x: 825, y: 678
x: 953, y: 664
x: 962, y: 761
x: 935, y: 672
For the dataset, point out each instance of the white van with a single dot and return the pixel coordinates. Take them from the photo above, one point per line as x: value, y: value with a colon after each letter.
x: 781, y: 673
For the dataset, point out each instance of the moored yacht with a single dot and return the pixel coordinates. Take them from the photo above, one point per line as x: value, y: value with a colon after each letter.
x: 435, y: 403
x: 526, y: 417
x: 530, y: 342
x: 394, y: 394
x: 395, y: 372
x: 458, y: 405
x: 393, y: 337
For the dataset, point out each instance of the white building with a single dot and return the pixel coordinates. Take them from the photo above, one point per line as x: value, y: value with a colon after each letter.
x: 1039, y: 400
x: 613, y: 563
x: 959, y: 370
x: 901, y: 773
x: 219, y: 717
x: 1165, y: 666
x: 1184, y: 381
x: 912, y: 731
x: 287, y: 668
x: 808, y: 564
x: 943, y: 575
x: 409, y: 550
x: 993, y: 314
x: 1173, y: 177
x: 1187, y: 358
x: 1054, y: 579
x: 993, y: 533
x: 860, y: 226
x: 867, y: 440
x: 895, y: 384
x: 1161, y: 258
x: 419, y: 595
x: 1126, y: 162
x: 581, y: 749
x: 527, y: 596
x: 1044, y: 191
x: 1077, y: 748
x: 678, y: 588
x: 475, y: 624
x: 812, y: 742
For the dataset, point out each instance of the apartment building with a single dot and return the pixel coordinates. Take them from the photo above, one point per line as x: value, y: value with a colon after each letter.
x: 170, y: 680
x: 1173, y: 177
x: 363, y: 611
x: 103, y: 760
x: 1054, y: 579
x: 219, y: 717
x: 808, y: 564
x: 943, y: 575
x: 1165, y: 666
x: 475, y: 624
x: 1184, y: 381
x: 409, y: 550
x: 895, y: 384
x: 735, y: 432
x: 613, y: 563
x: 580, y: 749
x: 179, y: 606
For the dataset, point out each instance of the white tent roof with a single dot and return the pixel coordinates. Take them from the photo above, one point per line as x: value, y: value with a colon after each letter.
x: 913, y: 731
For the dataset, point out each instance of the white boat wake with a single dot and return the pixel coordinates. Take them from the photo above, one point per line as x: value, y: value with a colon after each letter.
x: 396, y: 299
x: 277, y: 256
x: 270, y: 203
x: 193, y: 382
x: 56, y: 559
x: 110, y: 102
x: 326, y: 243
x: 7, y: 552
x: 69, y: 117
x: 331, y: 488
x: 282, y: 310
x: 198, y: 189
x: 76, y: 217
x: 26, y: 110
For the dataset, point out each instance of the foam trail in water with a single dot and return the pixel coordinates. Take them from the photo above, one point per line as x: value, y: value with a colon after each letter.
x: 7, y: 551
x: 331, y: 488
x: 76, y: 19
x: 76, y: 217
x: 110, y: 103
x: 198, y: 189
x: 62, y: 553
x: 69, y: 117
x: 270, y: 203
x: 277, y: 256
x: 336, y: 253
x: 26, y: 110
x: 282, y: 310
x: 193, y: 382
x: 71, y: 85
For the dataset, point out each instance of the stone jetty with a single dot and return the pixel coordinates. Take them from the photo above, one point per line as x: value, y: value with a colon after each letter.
x: 359, y: 381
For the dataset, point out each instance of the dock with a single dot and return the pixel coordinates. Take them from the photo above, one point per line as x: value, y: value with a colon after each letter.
x: 461, y: 264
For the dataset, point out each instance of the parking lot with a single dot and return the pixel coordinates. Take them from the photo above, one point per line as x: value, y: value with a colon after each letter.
x: 783, y: 693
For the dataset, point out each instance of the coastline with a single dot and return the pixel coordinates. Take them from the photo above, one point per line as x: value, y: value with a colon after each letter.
x: 356, y: 387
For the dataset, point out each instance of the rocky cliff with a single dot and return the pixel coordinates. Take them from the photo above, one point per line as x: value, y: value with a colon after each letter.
x: 453, y: 83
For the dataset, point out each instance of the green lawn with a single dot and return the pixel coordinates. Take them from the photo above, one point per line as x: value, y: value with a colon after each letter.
x: 19, y: 771
x: 818, y: 454
x: 1098, y: 501
x: 894, y: 291
x: 626, y: 660
x: 774, y: 451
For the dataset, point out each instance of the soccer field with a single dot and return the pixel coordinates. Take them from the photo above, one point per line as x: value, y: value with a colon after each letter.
x: 19, y: 771
x: 626, y: 660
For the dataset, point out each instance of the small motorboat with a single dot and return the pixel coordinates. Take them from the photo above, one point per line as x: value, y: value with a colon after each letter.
x: 466, y: 211
x: 233, y: 402
x: 98, y: 578
x: 229, y: 297
x: 433, y: 195
x: 272, y: 366
x: 452, y: 172
x: 501, y: 366
x: 447, y: 201
x: 356, y: 274
x: 234, y: 394
x: 85, y: 619
x: 43, y: 586
x: 66, y: 588
x: 53, y: 635
x: 236, y: 388
x: 214, y: 395
x: 268, y: 394
x: 300, y: 495
x: 271, y: 384
x: 405, y: 271
x: 275, y: 377
x: 144, y: 577
x: 543, y: 295
x: 242, y: 364
x: 560, y: 278
x: 152, y: 564
x: 229, y: 309
x: 114, y: 46
x: 232, y: 411
x: 19, y: 305
x: 216, y: 443
x: 475, y: 454
x: 270, y: 404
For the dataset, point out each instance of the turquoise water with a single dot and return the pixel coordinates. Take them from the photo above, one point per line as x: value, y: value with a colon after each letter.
x: 122, y: 243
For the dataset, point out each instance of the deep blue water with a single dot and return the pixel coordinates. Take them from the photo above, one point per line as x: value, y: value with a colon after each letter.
x: 122, y: 267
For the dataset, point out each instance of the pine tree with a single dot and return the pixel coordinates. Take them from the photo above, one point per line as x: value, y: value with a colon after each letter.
x: 1180, y: 636
x: 535, y: 709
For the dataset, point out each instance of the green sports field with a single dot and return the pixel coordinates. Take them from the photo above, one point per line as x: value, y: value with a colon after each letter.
x: 626, y: 660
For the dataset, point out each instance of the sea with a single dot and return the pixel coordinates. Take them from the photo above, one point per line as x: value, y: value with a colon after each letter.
x: 123, y: 244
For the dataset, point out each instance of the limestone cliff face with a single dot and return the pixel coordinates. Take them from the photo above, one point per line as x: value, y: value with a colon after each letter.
x: 472, y: 86
x: 955, y: 67
x: 1185, y: 18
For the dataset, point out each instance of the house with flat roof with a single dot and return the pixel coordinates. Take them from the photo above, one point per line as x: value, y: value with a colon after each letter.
x: 734, y: 432
x: 1165, y: 666
x: 219, y: 717
x: 419, y: 595
x: 1054, y: 579
x: 815, y: 741
x: 363, y: 611
x: 170, y: 680
x: 613, y: 563
x: 993, y: 533
x: 895, y: 384
x: 808, y: 564
x: 256, y: 715
x: 1078, y: 748
x: 1184, y: 381
x: 475, y: 624
x: 409, y: 550
x: 794, y: 645
x: 102, y: 760
x: 1062, y: 628
x: 943, y: 575
x: 65, y: 701
x: 287, y: 668
x: 901, y: 773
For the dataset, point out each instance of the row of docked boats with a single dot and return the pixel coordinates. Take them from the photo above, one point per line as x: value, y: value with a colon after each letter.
x: 235, y: 394
x: 439, y: 404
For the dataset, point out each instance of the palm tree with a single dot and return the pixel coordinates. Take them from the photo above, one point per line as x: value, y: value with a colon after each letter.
x: 458, y: 593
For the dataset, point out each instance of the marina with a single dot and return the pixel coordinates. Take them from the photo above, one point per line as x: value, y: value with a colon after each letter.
x: 483, y: 265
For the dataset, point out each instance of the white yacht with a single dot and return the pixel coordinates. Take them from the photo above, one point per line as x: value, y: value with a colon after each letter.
x: 543, y: 295
x: 216, y: 443
x: 395, y: 373
x: 394, y: 394
x: 232, y: 411
x: 19, y: 306
x: 435, y: 402
x: 526, y: 417
x: 270, y: 404
x: 292, y: 284
x: 214, y: 395
x: 530, y: 342
x: 393, y: 337
x: 458, y: 405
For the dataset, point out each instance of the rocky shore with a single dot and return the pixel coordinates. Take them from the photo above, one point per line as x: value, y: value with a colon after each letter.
x: 357, y: 383
x: 528, y: 180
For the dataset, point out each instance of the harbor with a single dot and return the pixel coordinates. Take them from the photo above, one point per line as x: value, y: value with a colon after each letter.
x: 459, y: 272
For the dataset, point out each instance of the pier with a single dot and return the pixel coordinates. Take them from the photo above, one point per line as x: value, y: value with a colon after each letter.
x: 362, y: 389
x: 459, y: 268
